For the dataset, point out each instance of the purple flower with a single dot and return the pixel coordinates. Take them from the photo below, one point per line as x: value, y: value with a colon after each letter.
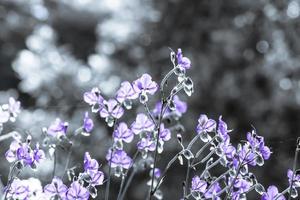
x: 77, y: 192
x: 223, y: 129
x: 257, y: 143
x: 58, y: 128
x: 228, y: 149
x: 157, y: 172
x: 183, y: 62
x: 118, y: 158
x: 198, y: 185
x: 126, y: 92
x: 25, y: 154
x: 205, y: 124
x: 89, y: 163
x: 180, y: 108
x: 213, y: 192
x: 17, y: 190
x: 123, y: 133
x: 112, y: 109
x: 97, y: 178
x: 242, y: 185
x: 142, y: 123
x: 88, y: 123
x: 145, y: 85
x: 165, y: 134
x: 11, y: 153
x: 93, y: 97
x: 38, y: 154
x: 296, y: 178
x: 246, y: 156
x: 272, y: 194
x: 146, y: 144
x: 56, y: 188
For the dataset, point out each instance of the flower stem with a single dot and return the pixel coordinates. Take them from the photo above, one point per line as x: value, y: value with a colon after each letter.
x: 186, y: 183
x: 165, y: 172
x: 121, y: 186
x: 294, y: 166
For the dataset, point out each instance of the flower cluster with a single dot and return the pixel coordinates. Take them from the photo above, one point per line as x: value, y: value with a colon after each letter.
x: 238, y: 180
x: 149, y: 132
x: 22, y: 154
x: 32, y: 188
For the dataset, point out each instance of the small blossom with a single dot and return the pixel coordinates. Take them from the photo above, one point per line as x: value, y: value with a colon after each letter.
x: 157, y: 173
x: 213, y: 192
x: 126, y: 92
x: 58, y: 128
x: 38, y: 154
x: 97, y: 178
x: 272, y: 194
x: 198, y: 185
x: 11, y: 153
x: 228, y: 150
x: 183, y: 62
x: 165, y: 134
x: 93, y: 97
x: 145, y: 85
x: 123, y: 133
x: 118, y: 158
x: 179, y: 109
x: 242, y: 185
x: 56, y: 188
x: 88, y: 123
x: 146, y: 144
x: 223, y: 129
x: 205, y: 124
x: 112, y: 109
x: 77, y: 192
x: 17, y: 190
x: 257, y: 144
x: 89, y: 163
x: 141, y: 124
x: 296, y: 178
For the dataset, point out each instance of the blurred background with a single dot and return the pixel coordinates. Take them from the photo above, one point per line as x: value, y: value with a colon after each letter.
x: 245, y: 67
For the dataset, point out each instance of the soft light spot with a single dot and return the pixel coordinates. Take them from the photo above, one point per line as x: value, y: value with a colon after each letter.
x: 285, y: 84
x: 293, y: 10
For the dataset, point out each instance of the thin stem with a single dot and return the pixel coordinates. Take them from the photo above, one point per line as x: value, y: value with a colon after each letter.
x: 54, y: 164
x: 109, y: 168
x: 210, y: 166
x: 282, y: 193
x: 121, y: 186
x: 163, y: 82
x: 67, y: 162
x: 108, y: 179
x: 126, y: 173
x: 187, y: 179
x: 237, y: 173
x: 165, y: 171
x: 204, y: 147
x: 217, y: 179
x: 193, y: 141
x: 294, y: 168
x: 149, y: 113
x: 128, y: 183
x: 156, y: 148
